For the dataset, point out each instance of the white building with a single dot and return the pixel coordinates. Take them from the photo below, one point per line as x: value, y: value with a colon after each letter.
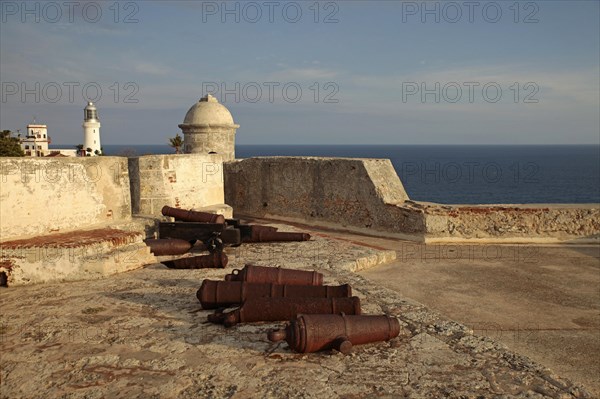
x: 36, y: 140
x: 91, y: 130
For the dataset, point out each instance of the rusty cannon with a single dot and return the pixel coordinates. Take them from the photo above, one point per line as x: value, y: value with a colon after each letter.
x: 276, y: 275
x: 316, y: 332
x: 222, y: 294
x: 192, y: 216
x: 277, y: 309
x: 167, y: 246
x: 217, y: 260
x: 213, y: 235
x: 258, y: 233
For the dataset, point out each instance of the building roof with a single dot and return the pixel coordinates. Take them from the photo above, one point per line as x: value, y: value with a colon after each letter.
x: 208, y: 111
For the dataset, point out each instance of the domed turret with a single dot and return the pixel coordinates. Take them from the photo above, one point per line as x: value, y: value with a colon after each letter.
x: 208, y: 128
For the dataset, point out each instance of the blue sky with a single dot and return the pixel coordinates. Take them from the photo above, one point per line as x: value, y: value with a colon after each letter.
x: 356, y: 72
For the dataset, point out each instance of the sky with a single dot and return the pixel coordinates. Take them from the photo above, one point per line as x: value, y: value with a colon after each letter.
x: 307, y: 72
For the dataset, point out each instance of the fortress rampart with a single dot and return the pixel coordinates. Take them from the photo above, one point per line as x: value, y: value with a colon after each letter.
x: 73, y: 218
x: 366, y: 195
x: 182, y: 181
x: 43, y: 196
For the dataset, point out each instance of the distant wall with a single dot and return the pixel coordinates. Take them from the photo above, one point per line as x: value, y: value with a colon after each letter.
x: 366, y: 195
x: 43, y: 195
x: 522, y: 223
x: 183, y: 181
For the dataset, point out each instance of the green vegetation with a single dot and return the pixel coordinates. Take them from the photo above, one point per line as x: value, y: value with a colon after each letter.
x: 9, y: 146
x: 176, y: 142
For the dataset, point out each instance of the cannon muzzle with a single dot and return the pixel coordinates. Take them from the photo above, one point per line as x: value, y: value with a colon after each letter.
x: 277, y: 309
x: 275, y: 275
x: 168, y: 246
x: 223, y: 294
x: 316, y: 332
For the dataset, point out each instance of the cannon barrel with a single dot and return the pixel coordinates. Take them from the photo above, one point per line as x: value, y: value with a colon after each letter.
x: 217, y: 260
x: 192, y: 216
x: 276, y: 275
x: 222, y: 294
x: 270, y: 234
x: 312, y: 332
x: 168, y: 246
x: 276, y: 309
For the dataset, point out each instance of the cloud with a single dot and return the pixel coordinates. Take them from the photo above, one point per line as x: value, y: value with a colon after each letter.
x: 554, y: 89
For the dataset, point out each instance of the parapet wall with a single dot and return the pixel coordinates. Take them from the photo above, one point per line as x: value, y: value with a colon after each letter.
x: 182, y: 181
x: 358, y: 194
x: 513, y: 223
x: 40, y: 196
x: 366, y: 195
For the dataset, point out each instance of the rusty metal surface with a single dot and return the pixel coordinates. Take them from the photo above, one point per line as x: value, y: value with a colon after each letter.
x: 167, y: 246
x: 276, y: 275
x: 276, y: 309
x: 270, y: 234
x: 316, y: 332
x: 222, y: 294
x: 185, y: 215
x: 217, y: 260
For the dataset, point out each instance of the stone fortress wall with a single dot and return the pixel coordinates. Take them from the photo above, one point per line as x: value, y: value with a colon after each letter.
x: 366, y: 195
x: 46, y: 195
x: 188, y: 181
x: 43, y: 196
x: 73, y: 218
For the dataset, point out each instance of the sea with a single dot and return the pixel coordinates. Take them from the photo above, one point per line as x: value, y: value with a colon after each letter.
x: 458, y: 174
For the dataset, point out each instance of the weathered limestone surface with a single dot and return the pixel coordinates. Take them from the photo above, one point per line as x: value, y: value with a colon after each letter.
x: 353, y: 193
x: 49, y: 206
x: 525, y: 223
x: 208, y: 128
x: 40, y: 196
x: 366, y: 195
x: 76, y: 255
x: 183, y: 181
x: 143, y: 334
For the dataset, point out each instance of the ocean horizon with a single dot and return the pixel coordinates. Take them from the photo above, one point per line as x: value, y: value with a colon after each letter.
x: 457, y: 174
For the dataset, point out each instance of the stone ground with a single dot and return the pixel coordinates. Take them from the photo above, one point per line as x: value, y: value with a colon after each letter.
x: 143, y: 334
x: 541, y: 301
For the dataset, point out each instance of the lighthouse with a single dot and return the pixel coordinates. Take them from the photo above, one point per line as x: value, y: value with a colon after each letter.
x: 91, y: 131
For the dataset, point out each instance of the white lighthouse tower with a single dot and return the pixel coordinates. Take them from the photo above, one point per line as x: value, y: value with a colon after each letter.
x: 91, y: 130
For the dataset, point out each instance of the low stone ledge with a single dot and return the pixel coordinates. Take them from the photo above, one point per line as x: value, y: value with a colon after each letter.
x: 513, y: 223
x: 76, y: 255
